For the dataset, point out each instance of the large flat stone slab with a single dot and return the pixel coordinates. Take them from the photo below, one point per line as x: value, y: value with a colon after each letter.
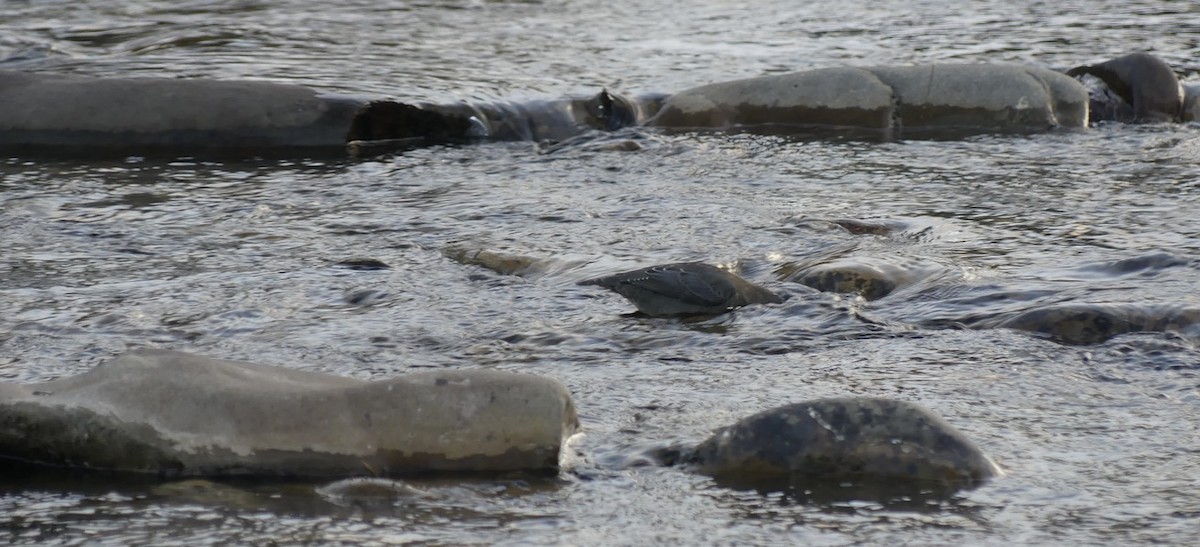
x: 997, y: 96
x: 63, y: 110
x: 893, y: 101
x: 51, y: 112
x: 851, y: 97
x: 172, y: 413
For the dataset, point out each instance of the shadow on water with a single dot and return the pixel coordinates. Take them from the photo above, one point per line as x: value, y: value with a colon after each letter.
x: 417, y: 498
x: 848, y: 495
x: 891, y: 493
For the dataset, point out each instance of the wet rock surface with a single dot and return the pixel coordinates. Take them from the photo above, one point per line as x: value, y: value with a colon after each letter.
x: 889, y: 100
x: 1137, y: 88
x: 58, y: 111
x: 44, y: 110
x: 1085, y: 324
x: 843, y: 439
x: 686, y: 288
x: 171, y: 413
x: 870, y: 277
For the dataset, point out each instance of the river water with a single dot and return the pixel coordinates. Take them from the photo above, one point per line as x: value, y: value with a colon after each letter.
x: 248, y: 260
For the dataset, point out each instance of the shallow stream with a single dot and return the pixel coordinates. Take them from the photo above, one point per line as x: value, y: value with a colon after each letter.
x: 248, y: 260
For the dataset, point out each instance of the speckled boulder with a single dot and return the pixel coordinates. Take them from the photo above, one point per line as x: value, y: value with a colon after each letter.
x: 171, y: 413
x: 844, y: 438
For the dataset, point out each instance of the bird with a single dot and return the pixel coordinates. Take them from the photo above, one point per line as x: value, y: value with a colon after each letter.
x: 684, y: 288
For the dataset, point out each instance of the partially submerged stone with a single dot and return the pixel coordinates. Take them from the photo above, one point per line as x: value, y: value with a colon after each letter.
x: 892, y: 101
x: 550, y: 120
x: 851, y: 97
x: 160, y: 115
x: 1089, y: 323
x: 141, y: 114
x: 685, y: 288
x: 1137, y: 88
x: 870, y: 277
x: 501, y: 263
x: 171, y: 413
x: 146, y: 115
x: 844, y: 439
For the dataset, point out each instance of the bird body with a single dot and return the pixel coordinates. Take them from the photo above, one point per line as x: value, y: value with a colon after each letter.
x: 685, y: 288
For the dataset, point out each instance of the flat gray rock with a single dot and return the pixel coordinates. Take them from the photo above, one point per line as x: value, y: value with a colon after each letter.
x: 999, y: 96
x: 172, y: 413
x: 63, y: 110
x: 891, y: 100
x: 827, y: 97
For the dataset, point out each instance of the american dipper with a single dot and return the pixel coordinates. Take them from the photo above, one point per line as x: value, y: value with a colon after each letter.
x: 684, y: 288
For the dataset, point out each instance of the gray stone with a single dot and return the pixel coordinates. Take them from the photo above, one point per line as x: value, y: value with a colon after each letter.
x: 844, y: 438
x: 1141, y: 88
x: 60, y: 110
x: 871, y: 277
x: 146, y: 115
x: 139, y: 115
x: 171, y: 413
x: 1087, y: 323
x: 1000, y: 97
x: 891, y: 100
x: 685, y: 288
x: 824, y: 97
x: 551, y: 120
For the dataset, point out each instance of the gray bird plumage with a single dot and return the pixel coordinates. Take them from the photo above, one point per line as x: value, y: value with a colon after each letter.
x: 686, y: 288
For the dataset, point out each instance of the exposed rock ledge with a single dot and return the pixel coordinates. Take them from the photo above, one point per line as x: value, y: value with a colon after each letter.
x: 889, y: 99
x: 55, y: 112
x: 171, y: 413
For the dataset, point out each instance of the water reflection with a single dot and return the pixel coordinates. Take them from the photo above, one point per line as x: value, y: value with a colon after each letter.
x: 848, y: 496
x: 103, y: 503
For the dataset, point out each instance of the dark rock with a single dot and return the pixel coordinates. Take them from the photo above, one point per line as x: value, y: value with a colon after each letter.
x: 843, y: 439
x: 363, y: 264
x: 1085, y: 323
x: 1144, y: 90
x: 688, y: 288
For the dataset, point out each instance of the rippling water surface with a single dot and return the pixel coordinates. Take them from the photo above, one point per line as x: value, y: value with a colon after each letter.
x: 248, y: 260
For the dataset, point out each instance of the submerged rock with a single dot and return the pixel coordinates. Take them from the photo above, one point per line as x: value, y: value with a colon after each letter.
x: 172, y: 413
x: 686, y: 288
x: 1084, y: 324
x: 870, y: 277
x: 501, y: 263
x: 843, y: 439
x: 370, y: 490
